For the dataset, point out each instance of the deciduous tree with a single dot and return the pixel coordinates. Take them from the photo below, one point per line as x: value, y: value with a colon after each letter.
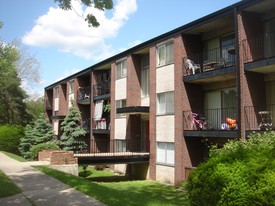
x: 90, y: 18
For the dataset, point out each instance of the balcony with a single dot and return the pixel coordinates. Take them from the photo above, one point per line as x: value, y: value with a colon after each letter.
x: 259, y: 53
x: 217, y: 64
x: 84, y: 94
x: 101, y: 126
x: 259, y: 118
x: 48, y: 105
x: 117, y: 146
x: 213, y: 123
x: 101, y: 88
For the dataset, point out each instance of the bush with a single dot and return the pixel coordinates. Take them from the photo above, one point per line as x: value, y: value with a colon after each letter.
x: 240, y: 173
x: 10, y: 138
x: 33, y: 154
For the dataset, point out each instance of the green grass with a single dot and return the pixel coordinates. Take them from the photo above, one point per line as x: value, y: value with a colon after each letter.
x: 130, y: 193
x: 7, y: 188
x: 14, y: 156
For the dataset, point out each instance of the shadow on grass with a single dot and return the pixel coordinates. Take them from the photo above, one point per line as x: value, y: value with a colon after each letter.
x: 130, y: 193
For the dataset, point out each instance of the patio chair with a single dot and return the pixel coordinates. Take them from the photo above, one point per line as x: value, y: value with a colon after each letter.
x: 266, y: 120
x: 191, y: 67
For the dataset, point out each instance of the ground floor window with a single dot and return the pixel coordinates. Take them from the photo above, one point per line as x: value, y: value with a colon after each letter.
x: 165, y: 153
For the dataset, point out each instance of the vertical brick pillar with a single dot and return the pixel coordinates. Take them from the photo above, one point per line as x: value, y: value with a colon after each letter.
x: 248, y: 26
x: 182, y: 158
x: 133, y: 80
x: 113, y: 101
x: 152, y: 116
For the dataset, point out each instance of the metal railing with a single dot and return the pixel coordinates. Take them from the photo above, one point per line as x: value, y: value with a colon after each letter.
x: 101, y: 89
x: 211, y: 119
x: 260, y: 118
x: 259, y: 47
x: 217, y: 58
x: 101, y: 124
x: 117, y: 146
x: 84, y: 93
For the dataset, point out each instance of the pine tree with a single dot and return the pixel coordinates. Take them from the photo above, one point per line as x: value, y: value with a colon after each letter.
x: 40, y: 132
x: 73, y: 132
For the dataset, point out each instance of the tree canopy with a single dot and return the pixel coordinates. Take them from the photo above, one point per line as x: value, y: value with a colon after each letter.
x: 90, y: 18
x: 16, y: 65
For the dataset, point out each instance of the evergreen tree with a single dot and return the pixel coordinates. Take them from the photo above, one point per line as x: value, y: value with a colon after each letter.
x: 40, y: 132
x: 71, y: 139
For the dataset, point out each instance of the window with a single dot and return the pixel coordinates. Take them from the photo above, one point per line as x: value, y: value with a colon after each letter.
x: 165, y: 153
x: 165, y: 53
x: 71, y: 87
x: 145, y: 76
x: 121, y: 69
x: 55, y: 127
x: 120, y: 104
x: 165, y: 103
x: 56, y: 92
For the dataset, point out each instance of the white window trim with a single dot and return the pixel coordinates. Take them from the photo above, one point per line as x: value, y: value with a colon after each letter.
x: 118, y: 62
x: 165, y: 43
x: 158, y: 104
x: 166, y: 155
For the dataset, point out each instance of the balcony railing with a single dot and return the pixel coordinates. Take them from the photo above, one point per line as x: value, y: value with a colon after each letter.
x: 100, y: 89
x: 212, y: 119
x: 260, y: 118
x: 84, y: 93
x: 259, y: 47
x: 117, y: 146
x: 102, y: 83
x: 217, y: 58
x: 101, y: 124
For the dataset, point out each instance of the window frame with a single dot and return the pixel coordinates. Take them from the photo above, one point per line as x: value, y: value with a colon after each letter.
x: 168, y: 53
x: 166, y: 105
x: 169, y: 157
x: 120, y: 103
x: 56, y: 92
x: 71, y: 87
x: 145, y: 72
x: 121, y: 69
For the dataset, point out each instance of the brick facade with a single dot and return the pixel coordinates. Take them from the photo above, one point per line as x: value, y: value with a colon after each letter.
x: 190, y: 92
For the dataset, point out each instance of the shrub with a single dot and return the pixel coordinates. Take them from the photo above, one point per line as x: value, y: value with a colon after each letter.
x: 10, y: 138
x: 240, y: 173
x: 33, y: 154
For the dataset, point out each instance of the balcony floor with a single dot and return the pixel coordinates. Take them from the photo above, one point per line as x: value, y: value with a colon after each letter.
x: 113, y: 158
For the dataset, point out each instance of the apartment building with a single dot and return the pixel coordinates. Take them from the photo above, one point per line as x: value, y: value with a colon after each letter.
x: 204, y: 83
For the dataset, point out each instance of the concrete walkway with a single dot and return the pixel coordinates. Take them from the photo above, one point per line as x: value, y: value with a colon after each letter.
x: 38, y: 188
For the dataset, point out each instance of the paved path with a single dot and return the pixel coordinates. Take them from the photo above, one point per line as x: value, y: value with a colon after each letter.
x: 39, y: 188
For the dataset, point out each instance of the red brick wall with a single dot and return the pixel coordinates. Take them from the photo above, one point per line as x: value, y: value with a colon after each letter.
x: 152, y: 164
x: 45, y: 155
x: 62, y: 158
x: 251, y: 86
x: 133, y: 80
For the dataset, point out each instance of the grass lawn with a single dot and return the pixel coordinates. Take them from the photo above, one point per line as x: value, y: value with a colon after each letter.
x: 14, y: 156
x: 7, y: 187
x: 130, y: 193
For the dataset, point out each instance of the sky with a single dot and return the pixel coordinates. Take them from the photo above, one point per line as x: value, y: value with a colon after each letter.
x: 63, y: 43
